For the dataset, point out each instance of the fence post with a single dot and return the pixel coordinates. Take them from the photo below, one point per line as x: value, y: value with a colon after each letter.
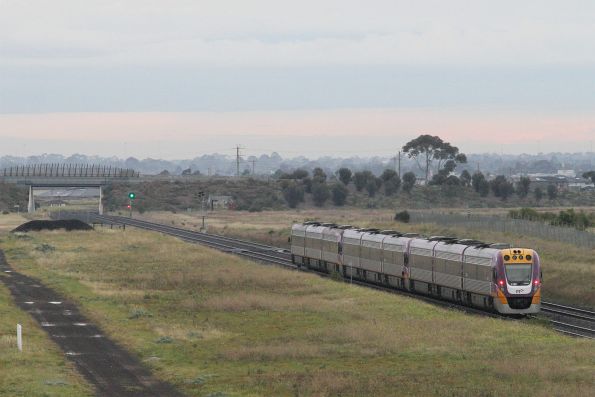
x: 20, y: 337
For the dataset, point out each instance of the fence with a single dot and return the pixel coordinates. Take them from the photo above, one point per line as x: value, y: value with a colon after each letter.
x: 563, y: 234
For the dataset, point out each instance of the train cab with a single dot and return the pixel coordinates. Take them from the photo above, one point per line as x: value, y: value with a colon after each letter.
x: 518, y: 281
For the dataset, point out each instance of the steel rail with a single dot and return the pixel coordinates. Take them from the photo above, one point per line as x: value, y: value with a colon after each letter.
x: 568, y: 311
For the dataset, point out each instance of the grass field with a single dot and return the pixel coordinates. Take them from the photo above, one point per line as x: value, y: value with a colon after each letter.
x: 214, y: 324
x: 568, y: 271
x: 41, y: 369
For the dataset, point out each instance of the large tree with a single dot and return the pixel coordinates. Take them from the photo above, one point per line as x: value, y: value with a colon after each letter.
x: 408, y: 181
x: 502, y: 187
x: 522, y: 187
x: 344, y: 175
x: 425, y: 149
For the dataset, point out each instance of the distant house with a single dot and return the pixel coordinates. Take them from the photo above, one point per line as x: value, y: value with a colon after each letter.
x: 580, y: 184
x: 220, y: 201
x: 544, y: 180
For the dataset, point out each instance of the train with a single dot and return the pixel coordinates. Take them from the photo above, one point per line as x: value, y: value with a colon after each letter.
x: 493, y: 277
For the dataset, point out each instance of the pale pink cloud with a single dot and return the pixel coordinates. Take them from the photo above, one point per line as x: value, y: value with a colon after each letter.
x: 470, y: 129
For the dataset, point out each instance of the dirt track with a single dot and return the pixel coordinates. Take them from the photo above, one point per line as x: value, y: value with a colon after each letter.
x: 108, y: 367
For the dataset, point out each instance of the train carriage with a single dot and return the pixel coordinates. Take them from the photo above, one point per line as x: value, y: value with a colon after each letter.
x: 331, y: 248
x: 352, y: 252
x: 394, y: 249
x: 371, y: 255
x: 421, y: 259
x: 448, y: 269
x: 298, y: 242
x: 313, y: 245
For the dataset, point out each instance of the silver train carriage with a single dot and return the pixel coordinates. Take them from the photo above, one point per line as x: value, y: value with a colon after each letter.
x: 488, y: 276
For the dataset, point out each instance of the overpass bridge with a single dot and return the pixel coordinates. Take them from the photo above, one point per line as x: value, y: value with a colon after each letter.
x: 66, y: 175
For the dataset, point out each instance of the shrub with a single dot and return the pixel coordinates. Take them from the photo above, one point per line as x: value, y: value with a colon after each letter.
x: 339, y: 194
x: 402, y: 216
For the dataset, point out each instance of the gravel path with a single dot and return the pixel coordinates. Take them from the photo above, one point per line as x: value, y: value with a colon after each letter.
x: 112, y: 370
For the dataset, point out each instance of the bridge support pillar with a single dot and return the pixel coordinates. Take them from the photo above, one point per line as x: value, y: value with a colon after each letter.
x: 31, y: 205
x: 100, y: 200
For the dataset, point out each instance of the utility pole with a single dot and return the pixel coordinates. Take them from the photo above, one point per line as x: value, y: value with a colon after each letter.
x: 238, y: 160
x: 399, y: 172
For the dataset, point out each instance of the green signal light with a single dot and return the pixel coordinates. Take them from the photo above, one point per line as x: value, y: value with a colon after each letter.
x: 131, y: 196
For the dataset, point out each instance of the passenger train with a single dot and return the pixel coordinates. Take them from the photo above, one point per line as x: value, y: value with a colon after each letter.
x: 493, y: 277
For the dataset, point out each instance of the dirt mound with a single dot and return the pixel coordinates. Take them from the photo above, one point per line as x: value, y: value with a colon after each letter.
x: 67, y: 224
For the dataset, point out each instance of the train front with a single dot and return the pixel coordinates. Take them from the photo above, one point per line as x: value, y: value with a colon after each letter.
x: 518, y: 281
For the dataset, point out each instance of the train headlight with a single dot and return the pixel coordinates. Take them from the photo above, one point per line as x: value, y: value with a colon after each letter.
x: 528, y: 257
x: 506, y: 257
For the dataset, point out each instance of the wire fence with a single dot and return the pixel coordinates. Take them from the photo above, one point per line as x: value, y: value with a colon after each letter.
x: 563, y: 234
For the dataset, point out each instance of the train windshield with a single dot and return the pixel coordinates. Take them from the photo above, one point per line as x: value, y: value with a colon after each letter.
x: 518, y: 274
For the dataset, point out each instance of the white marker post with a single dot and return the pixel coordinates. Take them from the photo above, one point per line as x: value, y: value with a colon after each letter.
x: 20, y: 337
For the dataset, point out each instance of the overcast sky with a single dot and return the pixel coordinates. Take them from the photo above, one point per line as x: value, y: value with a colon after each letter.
x: 176, y: 78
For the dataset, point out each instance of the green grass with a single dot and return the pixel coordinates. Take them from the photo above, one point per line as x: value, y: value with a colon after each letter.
x: 209, y: 322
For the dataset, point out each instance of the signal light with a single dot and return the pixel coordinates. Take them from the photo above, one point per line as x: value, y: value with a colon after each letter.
x: 501, y: 282
x: 128, y: 206
x: 131, y: 195
x: 536, y: 281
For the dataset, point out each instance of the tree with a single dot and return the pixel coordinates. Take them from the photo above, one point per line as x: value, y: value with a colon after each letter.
x: 538, y: 193
x: 339, y: 194
x: 372, y: 187
x: 476, y: 180
x: 465, y: 178
x: 392, y: 182
x: 484, y: 188
x: 344, y: 175
x: 307, y: 182
x: 522, y: 187
x: 433, y: 148
x: 320, y: 193
x: 502, y: 187
x: 360, y: 179
x: 293, y: 194
x: 318, y: 175
x: 409, y: 179
x: 186, y: 172
x: 552, y: 191
x: 590, y: 175
x: 299, y: 174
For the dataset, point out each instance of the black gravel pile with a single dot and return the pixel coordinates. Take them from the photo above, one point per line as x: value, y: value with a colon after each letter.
x: 67, y: 224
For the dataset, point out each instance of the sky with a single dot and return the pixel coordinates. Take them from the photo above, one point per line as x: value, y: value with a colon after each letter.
x: 176, y: 79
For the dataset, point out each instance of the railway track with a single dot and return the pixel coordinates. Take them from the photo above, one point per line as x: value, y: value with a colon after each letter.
x: 565, y: 319
x: 570, y: 320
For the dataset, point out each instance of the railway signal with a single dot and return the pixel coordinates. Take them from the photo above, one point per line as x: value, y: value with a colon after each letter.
x: 131, y: 197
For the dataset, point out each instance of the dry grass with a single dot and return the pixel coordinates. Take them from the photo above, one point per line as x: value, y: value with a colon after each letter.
x: 210, y: 322
x: 568, y: 270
